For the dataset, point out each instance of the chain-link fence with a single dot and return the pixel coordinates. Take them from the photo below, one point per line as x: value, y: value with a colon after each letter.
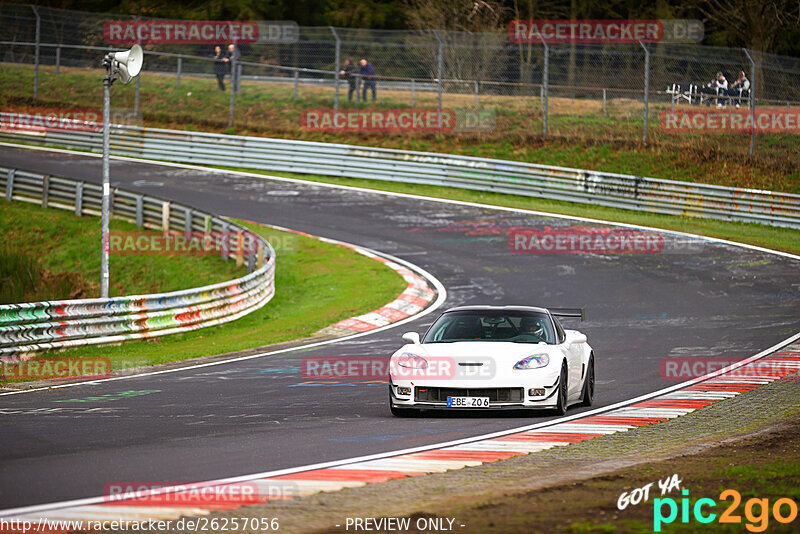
x: 608, y: 92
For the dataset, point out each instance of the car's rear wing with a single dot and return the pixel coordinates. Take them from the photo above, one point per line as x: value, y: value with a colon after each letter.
x: 569, y: 312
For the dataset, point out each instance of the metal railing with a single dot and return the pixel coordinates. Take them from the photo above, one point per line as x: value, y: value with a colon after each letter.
x: 31, y: 327
x: 465, y: 172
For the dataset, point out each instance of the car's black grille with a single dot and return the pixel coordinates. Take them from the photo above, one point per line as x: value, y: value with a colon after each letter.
x: 428, y: 394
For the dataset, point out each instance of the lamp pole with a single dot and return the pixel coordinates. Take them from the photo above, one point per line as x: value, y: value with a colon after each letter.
x: 107, y: 81
x: 124, y: 66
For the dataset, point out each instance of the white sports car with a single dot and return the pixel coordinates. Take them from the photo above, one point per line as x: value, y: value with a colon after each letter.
x: 493, y: 357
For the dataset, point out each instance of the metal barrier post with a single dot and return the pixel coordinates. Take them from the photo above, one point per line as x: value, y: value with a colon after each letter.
x: 10, y: 184
x: 36, y: 54
x: 58, y: 59
x: 187, y: 221
x: 338, y: 67
x: 646, y: 89
x: 180, y: 68
x: 604, y: 104
x: 296, y: 81
x: 139, y: 211
x: 412, y: 92
x: 476, y: 93
x: 752, y: 101
x: 79, y: 199
x: 45, y: 190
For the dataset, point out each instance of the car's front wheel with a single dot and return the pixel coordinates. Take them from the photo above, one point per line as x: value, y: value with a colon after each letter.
x: 561, y: 406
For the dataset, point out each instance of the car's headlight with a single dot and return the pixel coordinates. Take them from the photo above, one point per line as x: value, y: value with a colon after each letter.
x: 533, y: 362
x: 412, y: 361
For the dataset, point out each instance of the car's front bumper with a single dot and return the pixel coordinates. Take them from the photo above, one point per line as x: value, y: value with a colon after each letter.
x: 508, y: 395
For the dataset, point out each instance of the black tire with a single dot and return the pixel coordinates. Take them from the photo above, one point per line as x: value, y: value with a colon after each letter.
x: 561, y: 407
x: 587, y: 396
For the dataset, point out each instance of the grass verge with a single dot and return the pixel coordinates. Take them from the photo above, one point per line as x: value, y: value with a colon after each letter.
x: 784, y: 239
x: 579, y: 133
x: 317, y: 284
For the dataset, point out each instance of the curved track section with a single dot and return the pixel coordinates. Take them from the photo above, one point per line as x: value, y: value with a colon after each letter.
x: 694, y: 298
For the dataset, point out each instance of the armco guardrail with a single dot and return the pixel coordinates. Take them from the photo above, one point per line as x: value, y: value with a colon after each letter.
x: 32, y: 327
x: 557, y: 183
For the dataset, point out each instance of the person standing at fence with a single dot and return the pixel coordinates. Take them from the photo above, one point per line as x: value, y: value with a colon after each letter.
x: 368, y: 75
x: 235, y: 57
x: 349, y: 72
x: 738, y: 88
x: 220, y: 66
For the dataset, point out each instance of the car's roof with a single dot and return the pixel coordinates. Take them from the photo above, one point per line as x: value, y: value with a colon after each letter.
x: 498, y: 308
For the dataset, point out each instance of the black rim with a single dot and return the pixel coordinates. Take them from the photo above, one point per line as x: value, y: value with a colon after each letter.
x: 562, y: 394
x: 590, y: 388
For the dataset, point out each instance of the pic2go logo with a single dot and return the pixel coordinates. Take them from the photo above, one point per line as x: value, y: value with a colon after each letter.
x: 756, y: 511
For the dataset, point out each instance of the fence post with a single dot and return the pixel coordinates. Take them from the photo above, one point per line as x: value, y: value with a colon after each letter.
x: 545, y: 86
x: 338, y: 67
x: 296, y: 81
x: 604, y: 104
x: 439, y: 78
x: 58, y: 59
x: 412, y: 92
x: 646, y: 89
x: 180, y: 68
x: 752, y: 101
x: 476, y: 93
x: 239, y: 68
x: 79, y: 199
x: 10, y: 184
x: 787, y: 114
x: 232, y: 102
x: 36, y: 54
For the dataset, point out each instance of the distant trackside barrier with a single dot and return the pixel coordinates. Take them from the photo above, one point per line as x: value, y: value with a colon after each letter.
x: 466, y: 172
x: 31, y: 327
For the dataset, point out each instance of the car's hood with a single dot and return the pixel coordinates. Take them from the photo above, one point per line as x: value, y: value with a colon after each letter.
x: 477, y: 349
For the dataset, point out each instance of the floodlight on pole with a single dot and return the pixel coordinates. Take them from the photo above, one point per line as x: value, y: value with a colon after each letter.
x: 124, y: 66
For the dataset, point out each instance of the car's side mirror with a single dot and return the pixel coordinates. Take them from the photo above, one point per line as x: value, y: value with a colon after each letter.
x: 411, y: 337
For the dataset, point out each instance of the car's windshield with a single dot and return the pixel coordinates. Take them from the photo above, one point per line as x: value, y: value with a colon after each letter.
x: 475, y: 325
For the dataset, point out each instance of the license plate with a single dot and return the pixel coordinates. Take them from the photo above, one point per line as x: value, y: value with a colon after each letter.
x: 467, y: 402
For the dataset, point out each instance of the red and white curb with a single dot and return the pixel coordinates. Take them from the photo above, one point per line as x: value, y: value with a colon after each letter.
x: 774, y: 364
x: 417, y: 296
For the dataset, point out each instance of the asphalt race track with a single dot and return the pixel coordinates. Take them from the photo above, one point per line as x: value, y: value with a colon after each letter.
x: 695, y: 298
